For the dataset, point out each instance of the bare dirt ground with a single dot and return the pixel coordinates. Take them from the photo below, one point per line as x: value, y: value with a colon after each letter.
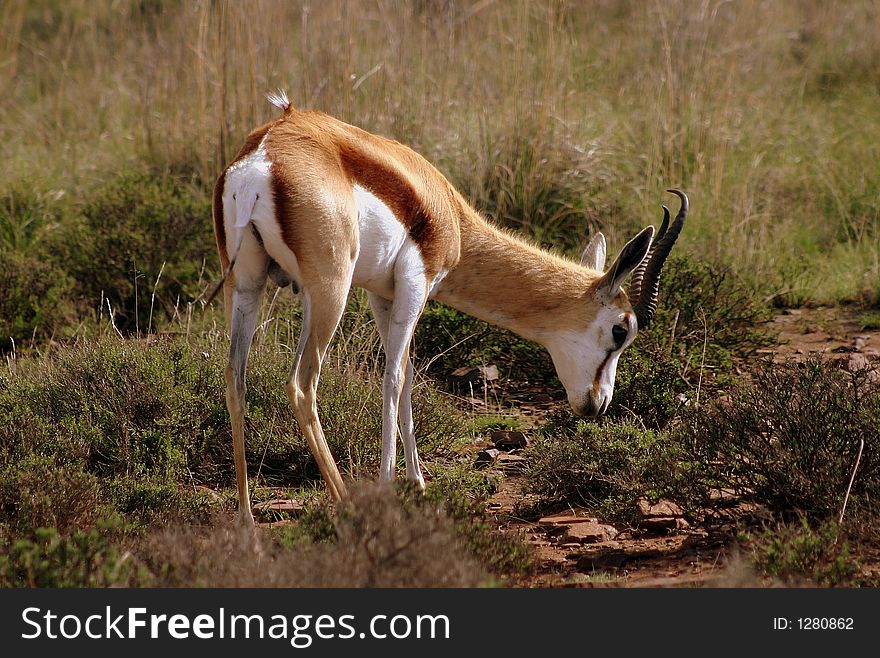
x: 573, y: 548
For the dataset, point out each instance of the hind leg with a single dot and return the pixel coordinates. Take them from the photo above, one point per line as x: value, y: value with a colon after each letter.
x: 320, y: 319
x: 245, y: 305
x: 243, y: 290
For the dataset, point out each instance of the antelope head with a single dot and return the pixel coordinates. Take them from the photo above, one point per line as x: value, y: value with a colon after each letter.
x: 586, y: 358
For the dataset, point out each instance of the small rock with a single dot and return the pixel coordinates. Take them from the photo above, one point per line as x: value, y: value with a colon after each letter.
x: 663, y: 515
x: 471, y: 374
x: 511, y: 463
x: 509, y: 439
x: 662, y: 508
x: 489, y: 373
x: 859, y: 342
x: 487, y: 456
x: 588, y: 533
x: 279, y: 505
x: 464, y: 375
x: 565, y: 519
x: 722, y: 494
x: 664, y: 523
x: 858, y: 362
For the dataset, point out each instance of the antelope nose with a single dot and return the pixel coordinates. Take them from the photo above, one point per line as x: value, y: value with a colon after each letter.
x: 591, y: 406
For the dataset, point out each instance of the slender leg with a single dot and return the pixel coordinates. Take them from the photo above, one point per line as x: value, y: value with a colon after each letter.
x: 407, y: 430
x: 319, y: 324
x: 382, y: 312
x: 396, y: 321
x: 244, y: 305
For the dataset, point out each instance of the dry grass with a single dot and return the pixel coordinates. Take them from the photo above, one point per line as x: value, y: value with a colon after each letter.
x: 553, y: 115
x: 380, y: 542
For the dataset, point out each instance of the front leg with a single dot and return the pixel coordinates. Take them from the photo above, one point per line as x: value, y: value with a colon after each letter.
x: 396, y: 322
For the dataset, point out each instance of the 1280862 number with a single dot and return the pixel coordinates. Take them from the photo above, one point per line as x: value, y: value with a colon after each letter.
x: 825, y: 623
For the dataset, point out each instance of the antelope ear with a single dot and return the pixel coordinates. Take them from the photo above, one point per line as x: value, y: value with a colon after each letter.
x: 594, y: 254
x: 630, y: 256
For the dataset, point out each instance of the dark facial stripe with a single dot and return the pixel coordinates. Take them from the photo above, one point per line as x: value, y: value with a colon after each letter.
x: 599, y: 370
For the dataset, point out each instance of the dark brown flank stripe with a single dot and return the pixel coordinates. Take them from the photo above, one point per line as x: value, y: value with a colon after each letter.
x: 283, y: 195
x: 398, y: 194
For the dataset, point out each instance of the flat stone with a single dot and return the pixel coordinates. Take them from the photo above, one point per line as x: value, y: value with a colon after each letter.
x: 662, y: 508
x: 487, y: 456
x: 663, y: 523
x: 489, y: 373
x: 279, y: 505
x: 565, y: 519
x: 588, y: 533
x: 511, y: 463
x: 509, y: 439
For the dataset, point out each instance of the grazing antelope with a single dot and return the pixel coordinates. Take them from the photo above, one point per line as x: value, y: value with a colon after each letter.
x: 320, y: 205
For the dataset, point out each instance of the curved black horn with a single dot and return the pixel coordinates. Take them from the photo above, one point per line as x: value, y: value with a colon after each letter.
x: 645, y: 297
x: 635, y: 286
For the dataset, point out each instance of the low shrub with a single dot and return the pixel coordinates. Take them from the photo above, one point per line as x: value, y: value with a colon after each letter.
x: 154, y: 413
x: 85, y: 558
x: 447, y: 339
x: 462, y: 493
x: 37, y: 493
x: 34, y: 299
x: 131, y: 230
x: 804, y: 554
x: 605, y: 466
x: 790, y: 438
x: 378, y: 540
x: 706, y: 319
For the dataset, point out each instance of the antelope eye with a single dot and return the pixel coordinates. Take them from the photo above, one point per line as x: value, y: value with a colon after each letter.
x: 619, y: 333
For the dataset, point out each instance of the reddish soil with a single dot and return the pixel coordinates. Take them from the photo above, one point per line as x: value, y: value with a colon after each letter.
x: 579, y: 551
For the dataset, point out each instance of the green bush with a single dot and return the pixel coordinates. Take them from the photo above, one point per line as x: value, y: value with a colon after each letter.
x: 36, y: 492
x: 707, y: 315
x: 706, y: 318
x: 27, y: 216
x: 447, y: 339
x: 156, y: 411
x: 605, y: 466
x: 34, y: 299
x: 790, y: 437
x: 128, y: 232
x: 85, y: 558
x: 801, y: 553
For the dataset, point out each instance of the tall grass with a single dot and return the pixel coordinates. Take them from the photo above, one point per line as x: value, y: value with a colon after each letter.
x: 558, y: 117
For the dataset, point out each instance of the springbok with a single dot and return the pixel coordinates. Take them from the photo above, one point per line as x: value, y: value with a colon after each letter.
x: 321, y: 205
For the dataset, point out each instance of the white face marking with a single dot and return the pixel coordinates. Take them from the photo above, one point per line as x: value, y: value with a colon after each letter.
x: 586, y: 361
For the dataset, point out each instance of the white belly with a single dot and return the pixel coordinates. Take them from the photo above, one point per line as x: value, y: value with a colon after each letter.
x: 382, y: 238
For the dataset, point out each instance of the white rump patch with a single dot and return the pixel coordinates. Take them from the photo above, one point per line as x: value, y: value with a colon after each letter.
x: 279, y: 99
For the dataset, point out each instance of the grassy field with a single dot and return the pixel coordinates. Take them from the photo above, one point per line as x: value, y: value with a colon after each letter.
x: 554, y: 118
